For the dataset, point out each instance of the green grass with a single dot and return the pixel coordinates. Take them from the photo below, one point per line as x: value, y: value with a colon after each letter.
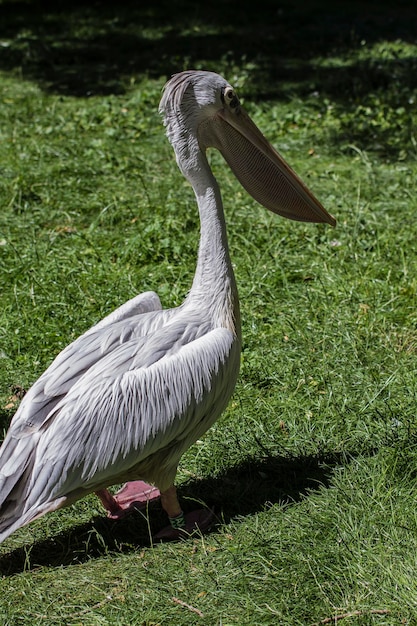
x: 312, y: 468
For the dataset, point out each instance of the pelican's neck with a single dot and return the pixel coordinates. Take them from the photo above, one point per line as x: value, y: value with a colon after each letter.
x: 214, y: 280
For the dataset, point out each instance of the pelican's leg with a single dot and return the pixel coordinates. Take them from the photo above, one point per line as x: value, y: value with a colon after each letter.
x: 108, y: 502
x: 132, y: 496
x: 171, y: 506
x: 182, y: 525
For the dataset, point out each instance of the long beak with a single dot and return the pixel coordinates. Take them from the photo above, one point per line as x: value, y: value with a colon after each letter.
x: 261, y: 170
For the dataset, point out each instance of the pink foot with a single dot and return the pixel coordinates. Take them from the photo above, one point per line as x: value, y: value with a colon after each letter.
x: 132, y: 496
x: 196, y: 523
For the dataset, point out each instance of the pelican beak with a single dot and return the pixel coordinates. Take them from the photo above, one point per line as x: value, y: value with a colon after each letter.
x: 261, y: 170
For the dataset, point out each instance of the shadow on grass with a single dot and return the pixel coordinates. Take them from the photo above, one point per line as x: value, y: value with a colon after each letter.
x: 243, y: 490
x: 80, y: 48
x: 100, y: 48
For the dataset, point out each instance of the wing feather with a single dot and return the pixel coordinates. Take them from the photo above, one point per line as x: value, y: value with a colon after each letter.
x: 142, y: 303
x: 136, y: 317
x: 133, y: 318
x: 90, y: 439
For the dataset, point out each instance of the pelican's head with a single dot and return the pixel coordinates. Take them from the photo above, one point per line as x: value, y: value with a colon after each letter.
x: 201, y: 110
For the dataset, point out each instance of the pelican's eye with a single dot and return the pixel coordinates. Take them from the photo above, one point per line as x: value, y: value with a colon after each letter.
x: 230, y: 98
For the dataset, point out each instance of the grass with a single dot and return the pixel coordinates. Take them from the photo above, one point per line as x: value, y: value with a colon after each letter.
x: 312, y: 468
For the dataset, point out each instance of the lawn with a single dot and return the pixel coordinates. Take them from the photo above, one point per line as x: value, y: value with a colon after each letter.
x: 311, y: 470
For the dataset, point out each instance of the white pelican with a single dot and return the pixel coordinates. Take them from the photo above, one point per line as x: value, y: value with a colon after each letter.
x: 127, y: 398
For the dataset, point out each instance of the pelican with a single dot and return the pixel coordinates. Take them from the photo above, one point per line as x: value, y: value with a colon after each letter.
x: 125, y: 400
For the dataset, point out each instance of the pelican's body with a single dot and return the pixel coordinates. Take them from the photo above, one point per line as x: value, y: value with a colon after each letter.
x: 126, y: 399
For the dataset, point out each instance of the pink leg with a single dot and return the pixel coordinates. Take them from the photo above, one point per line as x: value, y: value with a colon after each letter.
x: 182, y: 525
x: 132, y: 496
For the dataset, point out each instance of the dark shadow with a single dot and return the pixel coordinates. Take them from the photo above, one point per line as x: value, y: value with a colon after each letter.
x: 243, y: 490
x: 79, y: 48
x: 86, y: 48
